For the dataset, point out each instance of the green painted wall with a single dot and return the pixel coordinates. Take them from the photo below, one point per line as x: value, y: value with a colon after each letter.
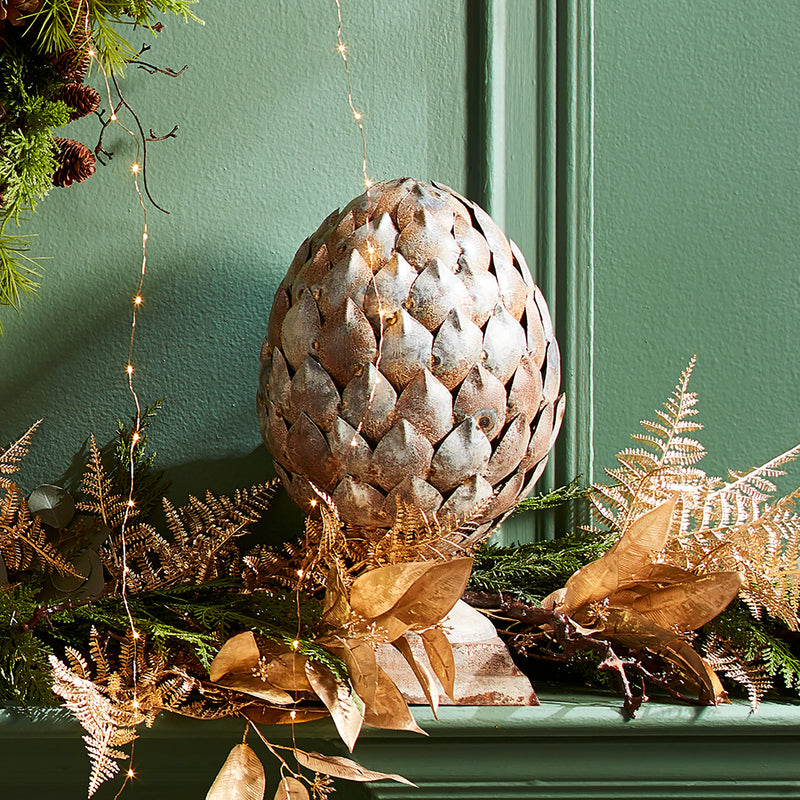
x: 696, y: 220
x: 695, y: 167
x: 267, y: 149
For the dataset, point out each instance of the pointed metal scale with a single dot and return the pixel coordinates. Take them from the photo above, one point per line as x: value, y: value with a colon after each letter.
x: 534, y: 331
x: 300, y: 258
x: 309, y: 452
x: 346, y: 343
x: 509, y: 451
x: 403, y: 451
x: 298, y: 489
x: 504, y: 344
x: 414, y: 492
x: 539, y: 445
x: 427, y: 405
x: 473, y: 246
x: 440, y: 204
x: 389, y: 289
x: 495, y: 238
x: 464, y: 453
x: 359, y: 503
x: 375, y: 240
x: 391, y: 196
x: 507, y: 494
x: 482, y: 288
x: 349, y: 278
x: 311, y: 273
x: 483, y: 398
x: 314, y: 393
x: 514, y: 292
x: 368, y: 403
x: 426, y: 238
x: 350, y: 450
x: 434, y: 293
x: 335, y: 240
x: 458, y: 346
x: 276, y: 432
x: 466, y: 499
x: 525, y: 396
x: 300, y: 329
x: 280, y: 306
x: 280, y: 386
x: 521, y: 264
x: 406, y: 349
x: 552, y: 373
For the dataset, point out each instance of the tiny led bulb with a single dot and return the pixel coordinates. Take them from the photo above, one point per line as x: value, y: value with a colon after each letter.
x: 129, y: 369
x: 131, y: 504
x: 300, y: 573
x: 136, y: 437
x: 136, y: 634
x: 342, y: 48
x: 113, y: 117
x: 312, y: 502
x: 131, y: 773
x: 137, y: 300
x: 295, y: 644
x: 135, y: 703
x: 292, y: 713
x: 357, y: 115
x: 368, y: 183
x: 90, y: 52
x: 144, y: 237
x: 135, y: 168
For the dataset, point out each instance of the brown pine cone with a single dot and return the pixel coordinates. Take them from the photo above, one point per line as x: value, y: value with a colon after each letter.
x: 75, y: 163
x: 72, y: 64
x: 82, y: 99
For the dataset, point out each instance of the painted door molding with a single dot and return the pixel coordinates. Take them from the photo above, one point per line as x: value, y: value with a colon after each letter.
x: 530, y: 164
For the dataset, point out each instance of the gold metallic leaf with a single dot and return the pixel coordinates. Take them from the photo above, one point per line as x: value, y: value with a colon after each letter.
x: 632, y: 553
x: 362, y: 666
x: 375, y: 592
x: 631, y: 629
x: 340, y: 767
x: 291, y: 789
x: 390, y: 710
x: 337, y: 609
x: 239, y: 654
x: 434, y: 593
x: 688, y: 605
x: 247, y: 683
x: 241, y: 777
x: 287, y: 671
x: 423, y: 674
x: 440, y: 654
x: 346, y: 708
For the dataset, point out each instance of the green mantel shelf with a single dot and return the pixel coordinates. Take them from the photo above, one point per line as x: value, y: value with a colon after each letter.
x: 572, y: 746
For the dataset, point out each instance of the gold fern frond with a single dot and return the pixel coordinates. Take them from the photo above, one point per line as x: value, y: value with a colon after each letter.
x: 726, y: 657
x: 101, y: 497
x: 11, y: 456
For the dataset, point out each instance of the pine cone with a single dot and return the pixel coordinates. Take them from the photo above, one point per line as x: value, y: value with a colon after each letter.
x: 72, y: 64
x: 82, y: 99
x: 409, y: 357
x: 75, y: 163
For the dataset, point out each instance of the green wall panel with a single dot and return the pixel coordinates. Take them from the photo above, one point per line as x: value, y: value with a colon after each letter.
x: 696, y: 220
x: 266, y: 149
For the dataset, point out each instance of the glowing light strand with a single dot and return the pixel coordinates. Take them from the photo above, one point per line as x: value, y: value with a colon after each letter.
x: 357, y: 115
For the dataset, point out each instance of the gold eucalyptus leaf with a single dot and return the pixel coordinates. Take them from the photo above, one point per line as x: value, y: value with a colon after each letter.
x: 248, y: 683
x: 691, y: 604
x: 389, y: 710
x: 340, y: 767
x: 376, y: 591
x: 632, y: 553
x: 432, y: 596
x: 440, y: 654
x: 288, y: 671
x: 239, y: 654
x: 291, y: 789
x: 362, y: 666
x: 423, y: 674
x: 346, y: 708
x: 241, y: 777
x: 336, y: 610
x: 632, y: 629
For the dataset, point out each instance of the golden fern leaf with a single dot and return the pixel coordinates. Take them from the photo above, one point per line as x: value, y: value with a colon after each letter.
x: 726, y: 657
x: 23, y: 540
x: 104, y: 500
x: 14, y: 453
